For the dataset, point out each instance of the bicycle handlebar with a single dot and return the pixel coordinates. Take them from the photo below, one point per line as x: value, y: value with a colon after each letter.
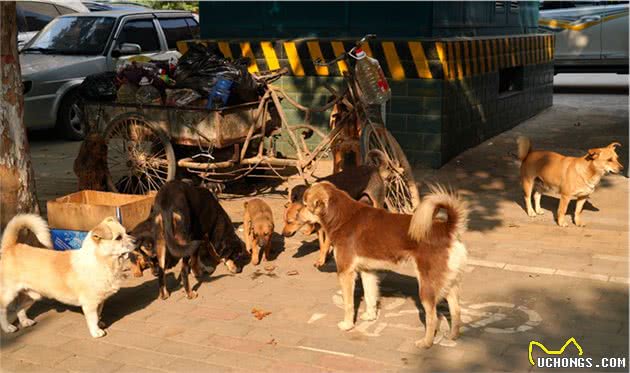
x: 344, y: 55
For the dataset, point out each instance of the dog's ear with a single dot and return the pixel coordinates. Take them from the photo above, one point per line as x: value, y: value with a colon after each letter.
x: 101, y: 232
x: 319, y: 205
x: 320, y: 201
x: 593, y: 154
x: 614, y: 145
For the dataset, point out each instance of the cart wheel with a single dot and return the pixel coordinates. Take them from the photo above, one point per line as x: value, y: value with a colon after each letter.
x: 401, y: 191
x: 140, y: 157
x: 310, y: 140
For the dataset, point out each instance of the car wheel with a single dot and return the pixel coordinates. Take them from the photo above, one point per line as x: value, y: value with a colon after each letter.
x: 70, y: 118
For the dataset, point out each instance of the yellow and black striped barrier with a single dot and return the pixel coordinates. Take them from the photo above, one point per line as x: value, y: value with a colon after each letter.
x: 448, y: 59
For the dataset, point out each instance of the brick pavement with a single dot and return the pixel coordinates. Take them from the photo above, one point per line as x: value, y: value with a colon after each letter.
x: 527, y: 280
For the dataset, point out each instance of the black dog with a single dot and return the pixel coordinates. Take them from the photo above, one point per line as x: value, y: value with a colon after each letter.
x: 363, y: 182
x: 191, y: 225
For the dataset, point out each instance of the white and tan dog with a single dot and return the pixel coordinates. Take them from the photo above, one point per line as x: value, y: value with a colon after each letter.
x: 84, y: 277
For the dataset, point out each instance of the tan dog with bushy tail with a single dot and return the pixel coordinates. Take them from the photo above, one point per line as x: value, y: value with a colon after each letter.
x: 369, y: 239
x: 569, y: 177
x: 84, y: 277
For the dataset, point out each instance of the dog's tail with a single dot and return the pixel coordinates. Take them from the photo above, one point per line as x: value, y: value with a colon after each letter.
x: 424, y: 227
x: 376, y: 157
x: 524, y: 147
x: 174, y: 247
x: 32, y: 222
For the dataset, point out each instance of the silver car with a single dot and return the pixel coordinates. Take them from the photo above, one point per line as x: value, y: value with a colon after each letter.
x: 591, y: 36
x: 71, y: 47
x: 33, y: 15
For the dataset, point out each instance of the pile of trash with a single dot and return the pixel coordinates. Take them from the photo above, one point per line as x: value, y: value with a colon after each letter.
x: 200, y: 78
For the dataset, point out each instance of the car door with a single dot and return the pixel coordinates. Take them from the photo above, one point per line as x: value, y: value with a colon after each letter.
x: 141, y: 31
x: 577, y: 27
x: 615, y: 32
x: 178, y: 28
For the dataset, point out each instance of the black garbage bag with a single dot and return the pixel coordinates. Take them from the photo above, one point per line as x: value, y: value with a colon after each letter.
x: 99, y: 87
x: 200, y: 69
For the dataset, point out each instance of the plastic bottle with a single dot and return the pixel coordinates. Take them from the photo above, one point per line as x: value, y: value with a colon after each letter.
x: 220, y: 92
x: 372, y: 81
x: 147, y: 93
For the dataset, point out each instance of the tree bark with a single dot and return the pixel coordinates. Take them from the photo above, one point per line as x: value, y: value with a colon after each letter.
x: 17, y: 181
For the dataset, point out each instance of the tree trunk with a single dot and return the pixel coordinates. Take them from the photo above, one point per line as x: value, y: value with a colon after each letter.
x: 17, y: 181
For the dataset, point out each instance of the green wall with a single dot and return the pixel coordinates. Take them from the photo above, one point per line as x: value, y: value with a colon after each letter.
x: 387, y: 19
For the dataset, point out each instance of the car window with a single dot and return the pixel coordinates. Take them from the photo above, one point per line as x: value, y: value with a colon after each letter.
x: 22, y: 27
x: 73, y: 35
x: 37, y: 15
x: 175, y: 29
x: 549, y: 5
x: 194, y: 27
x: 64, y: 10
x: 141, y: 32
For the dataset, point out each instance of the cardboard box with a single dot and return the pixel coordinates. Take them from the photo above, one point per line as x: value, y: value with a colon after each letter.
x: 84, y: 210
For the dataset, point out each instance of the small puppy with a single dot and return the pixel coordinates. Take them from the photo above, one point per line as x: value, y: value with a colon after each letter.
x: 365, y: 183
x: 368, y: 240
x: 569, y: 177
x: 258, y: 225
x: 84, y: 277
x: 143, y: 256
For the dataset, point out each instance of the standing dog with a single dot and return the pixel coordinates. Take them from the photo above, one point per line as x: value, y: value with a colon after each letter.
x: 568, y: 177
x: 367, y: 239
x: 188, y: 219
x: 84, y: 277
x: 366, y: 183
x: 258, y: 225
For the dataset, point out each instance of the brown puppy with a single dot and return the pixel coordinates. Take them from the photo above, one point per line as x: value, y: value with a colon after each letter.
x: 368, y: 239
x: 258, y: 225
x: 365, y: 183
x: 569, y: 177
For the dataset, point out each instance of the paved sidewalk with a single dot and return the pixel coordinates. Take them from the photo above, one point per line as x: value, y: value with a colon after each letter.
x: 527, y: 280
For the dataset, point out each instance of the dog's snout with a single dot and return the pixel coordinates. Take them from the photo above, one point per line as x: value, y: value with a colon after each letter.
x: 261, y: 242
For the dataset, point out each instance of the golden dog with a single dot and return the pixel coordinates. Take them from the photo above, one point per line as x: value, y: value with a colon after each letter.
x: 569, y: 177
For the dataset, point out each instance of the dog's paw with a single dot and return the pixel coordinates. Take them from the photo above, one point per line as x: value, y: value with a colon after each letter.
x: 319, y: 263
x: 98, y: 333
x: 164, y: 294
x: 191, y: 294
x: 532, y: 214
x: 28, y: 322
x: 453, y: 335
x: 345, y: 325
x: 369, y: 316
x: 580, y: 223
x: 231, y: 266
x: 10, y: 329
x: 563, y: 223
x: 540, y: 212
x: 421, y: 343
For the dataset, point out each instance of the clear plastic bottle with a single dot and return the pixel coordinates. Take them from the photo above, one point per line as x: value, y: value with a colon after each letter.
x: 371, y: 79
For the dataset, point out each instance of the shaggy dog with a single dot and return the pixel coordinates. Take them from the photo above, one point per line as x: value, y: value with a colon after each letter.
x: 84, y: 277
